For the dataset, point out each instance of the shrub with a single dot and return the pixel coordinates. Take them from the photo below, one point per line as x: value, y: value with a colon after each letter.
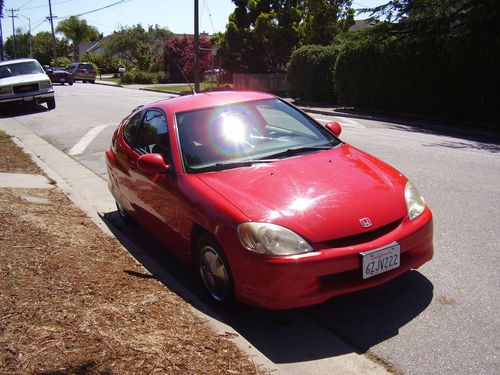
x: 310, y: 73
x: 61, y: 61
x: 141, y: 77
x: 105, y: 64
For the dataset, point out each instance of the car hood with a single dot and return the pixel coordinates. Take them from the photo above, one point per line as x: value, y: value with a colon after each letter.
x: 22, y: 79
x: 322, y: 195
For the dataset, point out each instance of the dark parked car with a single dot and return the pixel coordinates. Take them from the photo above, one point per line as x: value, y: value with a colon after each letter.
x: 82, y: 71
x: 60, y: 75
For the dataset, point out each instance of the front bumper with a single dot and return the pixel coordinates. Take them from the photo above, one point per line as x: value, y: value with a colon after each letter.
x: 292, y: 282
x: 41, y: 96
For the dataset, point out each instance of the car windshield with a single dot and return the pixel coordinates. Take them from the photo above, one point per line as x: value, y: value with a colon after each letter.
x: 247, y: 133
x: 18, y: 69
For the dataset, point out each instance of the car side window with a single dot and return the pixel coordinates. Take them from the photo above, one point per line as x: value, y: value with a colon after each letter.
x: 130, y: 128
x: 153, y: 135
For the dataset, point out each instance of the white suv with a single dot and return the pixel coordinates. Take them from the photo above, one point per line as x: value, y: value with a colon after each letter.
x: 25, y: 81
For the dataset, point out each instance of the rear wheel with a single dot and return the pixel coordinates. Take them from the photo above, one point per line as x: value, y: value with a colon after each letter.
x: 214, y: 270
x: 124, y: 215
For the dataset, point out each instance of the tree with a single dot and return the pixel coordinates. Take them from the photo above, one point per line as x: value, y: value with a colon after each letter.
x: 22, y: 45
x: 136, y: 46
x: 41, y: 44
x: 324, y: 20
x: 77, y: 31
x: 261, y: 34
x: 179, y: 53
x: 42, y: 47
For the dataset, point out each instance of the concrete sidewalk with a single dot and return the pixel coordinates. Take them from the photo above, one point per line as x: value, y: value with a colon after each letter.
x: 90, y: 192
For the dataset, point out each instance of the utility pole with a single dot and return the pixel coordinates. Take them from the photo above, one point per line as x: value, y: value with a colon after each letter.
x: 29, y: 34
x: 2, y: 54
x: 196, y: 48
x: 13, y: 29
x: 51, y: 18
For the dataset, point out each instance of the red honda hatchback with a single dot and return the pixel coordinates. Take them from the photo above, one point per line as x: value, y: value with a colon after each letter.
x: 272, y: 208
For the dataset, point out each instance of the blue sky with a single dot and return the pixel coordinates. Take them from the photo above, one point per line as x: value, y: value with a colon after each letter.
x: 177, y: 15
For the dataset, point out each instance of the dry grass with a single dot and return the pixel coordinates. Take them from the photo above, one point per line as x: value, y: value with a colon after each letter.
x: 73, y: 302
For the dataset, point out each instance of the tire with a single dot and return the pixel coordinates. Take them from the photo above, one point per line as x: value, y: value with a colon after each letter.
x: 124, y: 215
x: 93, y: 81
x: 214, y: 271
x: 70, y: 83
x: 51, y: 103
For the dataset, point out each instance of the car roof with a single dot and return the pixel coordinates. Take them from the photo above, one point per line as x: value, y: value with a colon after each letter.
x: 17, y: 61
x: 208, y: 99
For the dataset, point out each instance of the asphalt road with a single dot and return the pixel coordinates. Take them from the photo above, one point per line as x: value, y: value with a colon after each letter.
x: 441, y: 319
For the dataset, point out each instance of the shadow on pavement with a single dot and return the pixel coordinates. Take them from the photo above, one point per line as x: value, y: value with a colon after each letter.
x: 372, y: 316
x: 22, y: 110
x: 482, y: 137
x: 362, y: 319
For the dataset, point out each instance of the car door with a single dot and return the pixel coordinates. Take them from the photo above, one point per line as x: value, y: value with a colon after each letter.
x: 154, y: 196
x: 126, y: 159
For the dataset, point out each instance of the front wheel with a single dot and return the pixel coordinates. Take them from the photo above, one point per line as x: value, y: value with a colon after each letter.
x: 51, y: 103
x: 214, y: 270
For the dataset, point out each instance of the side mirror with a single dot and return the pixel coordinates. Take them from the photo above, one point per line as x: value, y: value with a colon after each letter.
x: 334, y: 128
x: 152, y: 164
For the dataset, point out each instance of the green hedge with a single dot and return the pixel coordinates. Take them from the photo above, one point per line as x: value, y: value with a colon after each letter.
x: 141, y: 77
x: 452, y: 78
x: 310, y: 73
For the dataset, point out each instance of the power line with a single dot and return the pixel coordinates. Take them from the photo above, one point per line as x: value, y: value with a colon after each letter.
x: 22, y: 6
x: 96, y: 10
x: 43, y: 6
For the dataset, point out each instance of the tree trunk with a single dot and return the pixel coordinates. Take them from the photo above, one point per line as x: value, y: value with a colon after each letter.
x: 76, y: 52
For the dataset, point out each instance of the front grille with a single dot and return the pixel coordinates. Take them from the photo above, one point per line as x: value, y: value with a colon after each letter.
x: 22, y: 89
x: 364, y: 237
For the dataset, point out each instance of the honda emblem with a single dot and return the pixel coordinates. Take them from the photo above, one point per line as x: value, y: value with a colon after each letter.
x: 365, y: 222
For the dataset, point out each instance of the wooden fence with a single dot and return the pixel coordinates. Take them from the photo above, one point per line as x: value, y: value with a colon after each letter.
x: 275, y: 83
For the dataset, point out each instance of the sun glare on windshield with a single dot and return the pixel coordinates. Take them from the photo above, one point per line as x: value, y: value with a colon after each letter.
x: 234, y: 130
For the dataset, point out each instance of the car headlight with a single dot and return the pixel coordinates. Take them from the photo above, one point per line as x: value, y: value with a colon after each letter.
x: 45, y: 85
x: 271, y: 239
x: 7, y: 90
x: 414, y: 201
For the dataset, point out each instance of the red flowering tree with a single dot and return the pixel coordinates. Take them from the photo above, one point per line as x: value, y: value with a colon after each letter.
x: 178, y: 52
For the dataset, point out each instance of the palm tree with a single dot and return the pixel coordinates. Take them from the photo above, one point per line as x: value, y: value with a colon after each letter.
x: 78, y: 31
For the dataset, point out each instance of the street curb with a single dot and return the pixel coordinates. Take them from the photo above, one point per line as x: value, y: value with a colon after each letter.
x: 104, y: 83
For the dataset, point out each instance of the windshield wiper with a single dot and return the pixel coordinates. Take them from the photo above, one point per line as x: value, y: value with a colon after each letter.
x: 296, y: 150
x: 239, y: 163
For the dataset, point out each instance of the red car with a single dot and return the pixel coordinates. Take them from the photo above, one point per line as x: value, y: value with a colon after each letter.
x: 272, y: 208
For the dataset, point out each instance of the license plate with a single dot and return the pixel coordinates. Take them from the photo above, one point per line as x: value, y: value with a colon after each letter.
x: 381, y: 260
x: 63, y: 80
x: 28, y: 98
